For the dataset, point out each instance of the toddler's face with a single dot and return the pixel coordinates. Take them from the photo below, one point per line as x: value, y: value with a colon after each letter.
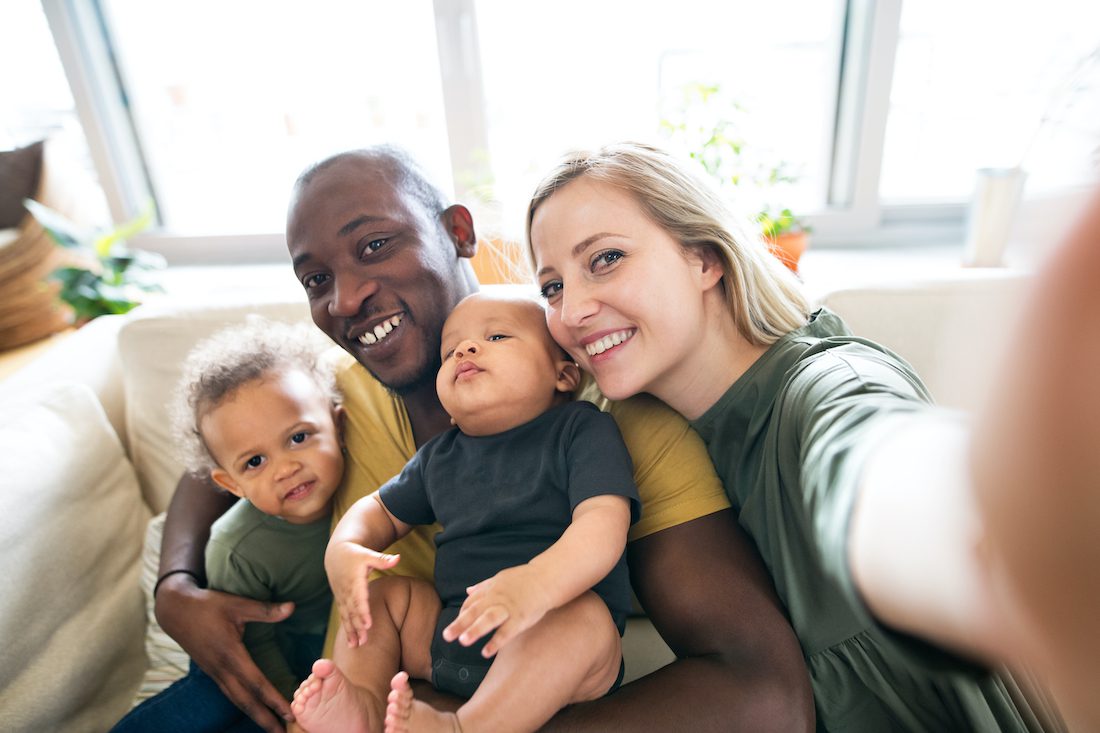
x: 500, y: 366
x: 277, y: 443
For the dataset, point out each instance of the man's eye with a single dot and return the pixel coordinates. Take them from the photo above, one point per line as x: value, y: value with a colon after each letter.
x: 605, y: 259
x: 374, y: 245
x: 550, y: 289
x: 498, y: 337
x: 314, y: 281
x: 298, y: 438
x: 254, y: 462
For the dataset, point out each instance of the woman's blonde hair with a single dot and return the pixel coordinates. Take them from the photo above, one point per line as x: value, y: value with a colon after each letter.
x: 764, y: 297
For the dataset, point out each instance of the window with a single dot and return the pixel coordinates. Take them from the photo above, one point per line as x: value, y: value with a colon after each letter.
x: 877, y: 107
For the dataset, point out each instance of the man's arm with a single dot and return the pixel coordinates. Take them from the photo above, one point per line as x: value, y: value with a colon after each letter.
x: 739, y: 665
x: 208, y: 624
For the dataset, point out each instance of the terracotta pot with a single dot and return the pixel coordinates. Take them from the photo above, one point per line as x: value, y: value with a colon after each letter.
x: 788, y: 247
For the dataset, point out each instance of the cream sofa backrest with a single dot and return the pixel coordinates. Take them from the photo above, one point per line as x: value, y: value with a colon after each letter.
x: 953, y: 330
x: 152, y: 345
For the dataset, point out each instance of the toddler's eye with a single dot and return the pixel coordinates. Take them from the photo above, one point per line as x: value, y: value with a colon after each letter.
x: 298, y: 438
x: 254, y: 462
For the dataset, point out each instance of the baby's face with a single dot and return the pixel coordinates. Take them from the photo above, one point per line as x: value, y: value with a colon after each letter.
x: 500, y: 367
x: 276, y: 440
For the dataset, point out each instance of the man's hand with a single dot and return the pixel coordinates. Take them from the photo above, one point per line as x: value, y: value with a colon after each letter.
x: 511, y: 602
x: 208, y: 625
x: 349, y: 566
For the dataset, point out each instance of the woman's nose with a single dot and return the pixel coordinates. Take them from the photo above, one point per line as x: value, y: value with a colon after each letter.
x: 576, y: 305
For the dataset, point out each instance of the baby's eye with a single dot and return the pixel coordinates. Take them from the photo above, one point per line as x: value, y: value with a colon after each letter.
x: 254, y: 462
x: 498, y: 337
x: 448, y: 354
x: 550, y: 289
x: 298, y: 437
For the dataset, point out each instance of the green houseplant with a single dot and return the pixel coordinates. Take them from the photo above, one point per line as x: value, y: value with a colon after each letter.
x: 710, y: 128
x: 102, y: 275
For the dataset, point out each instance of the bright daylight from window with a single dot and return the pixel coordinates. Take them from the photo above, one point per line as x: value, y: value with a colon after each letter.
x: 789, y: 101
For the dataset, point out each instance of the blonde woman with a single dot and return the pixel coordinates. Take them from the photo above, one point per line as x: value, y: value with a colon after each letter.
x: 854, y: 487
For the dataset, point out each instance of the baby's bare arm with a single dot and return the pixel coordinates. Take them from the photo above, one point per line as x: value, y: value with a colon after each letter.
x: 515, y: 599
x: 354, y: 550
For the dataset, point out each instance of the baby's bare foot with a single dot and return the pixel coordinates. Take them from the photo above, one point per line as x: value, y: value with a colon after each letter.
x: 404, y: 713
x: 326, y: 703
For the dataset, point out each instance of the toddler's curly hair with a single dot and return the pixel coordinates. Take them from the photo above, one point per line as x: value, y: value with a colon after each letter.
x: 222, y: 363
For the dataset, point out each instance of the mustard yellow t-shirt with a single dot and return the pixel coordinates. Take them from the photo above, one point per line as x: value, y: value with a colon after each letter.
x: 674, y: 474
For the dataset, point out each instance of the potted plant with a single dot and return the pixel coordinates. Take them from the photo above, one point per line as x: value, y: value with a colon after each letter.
x: 709, y: 127
x: 102, y: 275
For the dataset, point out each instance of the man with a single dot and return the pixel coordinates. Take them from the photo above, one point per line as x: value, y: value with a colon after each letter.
x: 383, y: 261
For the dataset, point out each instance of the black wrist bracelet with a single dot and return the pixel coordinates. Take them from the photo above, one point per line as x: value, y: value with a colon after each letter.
x: 170, y: 573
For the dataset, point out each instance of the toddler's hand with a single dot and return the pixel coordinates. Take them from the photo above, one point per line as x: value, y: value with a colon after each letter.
x: 511, y: 602
x: 349, y: 566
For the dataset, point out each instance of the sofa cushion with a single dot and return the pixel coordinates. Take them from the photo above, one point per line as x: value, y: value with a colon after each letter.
x: 71, y: 614
x: 953, y: 330
x: 152, y: 344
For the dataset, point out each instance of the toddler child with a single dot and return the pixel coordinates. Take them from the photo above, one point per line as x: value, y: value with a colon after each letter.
x: 535, y: 494
x: 258, y: 411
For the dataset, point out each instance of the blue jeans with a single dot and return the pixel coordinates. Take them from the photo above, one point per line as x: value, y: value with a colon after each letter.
x: 193, y: 704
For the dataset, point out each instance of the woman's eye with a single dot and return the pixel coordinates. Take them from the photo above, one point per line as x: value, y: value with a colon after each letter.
x: 550, y: 289
x: 298, y: 438
x: 605, y: 259
x: 254, y: 462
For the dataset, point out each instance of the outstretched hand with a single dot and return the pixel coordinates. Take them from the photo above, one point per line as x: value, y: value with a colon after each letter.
x: 349, y: 566
x: 510, y: 602
x: 208, y: 625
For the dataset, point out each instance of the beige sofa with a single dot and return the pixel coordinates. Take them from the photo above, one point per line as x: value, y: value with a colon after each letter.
x: 87, y: 461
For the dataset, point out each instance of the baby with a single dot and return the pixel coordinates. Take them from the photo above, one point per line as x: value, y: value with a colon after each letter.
x: 535, y: 494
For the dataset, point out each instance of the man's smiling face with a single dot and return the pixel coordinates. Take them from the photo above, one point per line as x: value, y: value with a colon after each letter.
x: 381, y: 270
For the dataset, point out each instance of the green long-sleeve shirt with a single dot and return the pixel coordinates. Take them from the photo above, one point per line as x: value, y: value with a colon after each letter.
x: 258, y: 556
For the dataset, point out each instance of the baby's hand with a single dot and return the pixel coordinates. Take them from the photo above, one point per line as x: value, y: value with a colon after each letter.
x: 349, y: 566
x: 511, y: 602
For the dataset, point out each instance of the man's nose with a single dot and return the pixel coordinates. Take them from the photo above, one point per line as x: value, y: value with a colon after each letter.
x: 349, y: 292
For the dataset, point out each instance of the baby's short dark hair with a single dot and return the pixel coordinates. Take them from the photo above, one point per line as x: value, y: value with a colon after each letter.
x: 222, y: 363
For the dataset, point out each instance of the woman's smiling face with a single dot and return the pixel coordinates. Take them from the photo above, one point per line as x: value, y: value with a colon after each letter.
x: 623, y: 297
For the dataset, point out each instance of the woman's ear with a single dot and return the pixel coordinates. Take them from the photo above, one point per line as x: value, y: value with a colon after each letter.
x: 223, y: 479
x: 459, y: 223
x: 569, y: 376
x: 712, y: 270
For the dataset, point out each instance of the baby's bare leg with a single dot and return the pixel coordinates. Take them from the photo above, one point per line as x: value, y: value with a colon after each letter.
x: 572, y: 655
x: 349, y: 693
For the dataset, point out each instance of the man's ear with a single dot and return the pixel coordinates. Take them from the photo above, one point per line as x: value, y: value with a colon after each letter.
x: 223, y: 479
x: 459, y: 223
x: 569, y: 376
x: 340, y: 418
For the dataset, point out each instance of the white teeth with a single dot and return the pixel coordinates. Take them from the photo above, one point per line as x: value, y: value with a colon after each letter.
x: 605, y: 343
x: 380, y: 331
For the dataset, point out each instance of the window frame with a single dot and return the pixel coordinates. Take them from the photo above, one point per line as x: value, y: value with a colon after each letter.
x: 853, y: 215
